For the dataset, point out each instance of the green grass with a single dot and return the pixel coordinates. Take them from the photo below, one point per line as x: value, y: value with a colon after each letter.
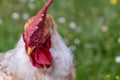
x: 95, y: 55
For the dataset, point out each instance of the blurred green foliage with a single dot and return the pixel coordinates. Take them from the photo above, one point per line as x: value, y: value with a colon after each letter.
x: 90, y: 28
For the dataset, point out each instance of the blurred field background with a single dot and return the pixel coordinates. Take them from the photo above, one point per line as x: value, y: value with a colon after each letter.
x: 91, y: 29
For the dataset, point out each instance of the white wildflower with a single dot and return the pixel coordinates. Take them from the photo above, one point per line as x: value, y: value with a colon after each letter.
x: 31, y: 5
x: 76, y: 41
x: 104, y: 29
x: 15, y: 15
x: 25, y: 16
x: 117, y: 59
x: 23, y: 1
x: 1, y: 21
x: 62, y: 20
x: 72, y: 25
x: 119, y: 40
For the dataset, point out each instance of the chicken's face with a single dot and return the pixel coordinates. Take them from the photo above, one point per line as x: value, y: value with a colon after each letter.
x: 38, y: 42
x: 37, y: 38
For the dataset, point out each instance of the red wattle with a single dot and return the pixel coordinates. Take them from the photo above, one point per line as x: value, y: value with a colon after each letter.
x: 41, y: 56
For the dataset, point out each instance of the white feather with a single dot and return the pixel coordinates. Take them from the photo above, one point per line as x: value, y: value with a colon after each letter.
x: 17, y: 63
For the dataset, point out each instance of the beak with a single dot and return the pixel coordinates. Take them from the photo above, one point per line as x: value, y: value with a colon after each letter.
x: 29, y: 50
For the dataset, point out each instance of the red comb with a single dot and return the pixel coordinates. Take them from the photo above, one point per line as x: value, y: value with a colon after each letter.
x: 42, y: 14
x: 35, y: 30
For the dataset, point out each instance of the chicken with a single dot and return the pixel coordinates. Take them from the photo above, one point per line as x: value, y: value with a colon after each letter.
x: 40, y: 54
